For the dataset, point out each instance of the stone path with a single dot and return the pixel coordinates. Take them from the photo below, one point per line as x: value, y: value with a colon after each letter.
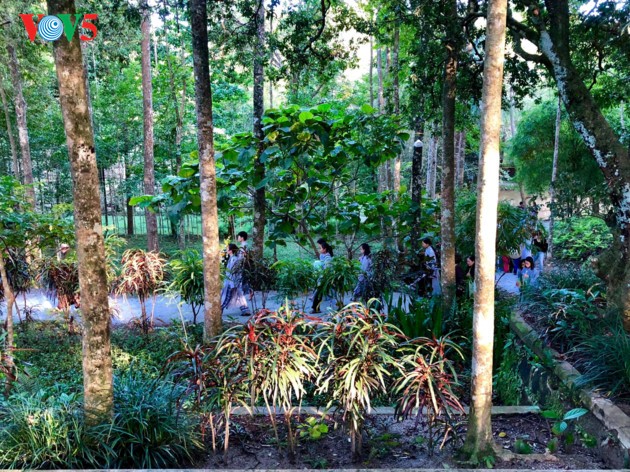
x: 168, y: 310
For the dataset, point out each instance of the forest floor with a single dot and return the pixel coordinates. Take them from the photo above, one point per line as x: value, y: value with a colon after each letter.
x: 167, y: 310
x: 388, y: 443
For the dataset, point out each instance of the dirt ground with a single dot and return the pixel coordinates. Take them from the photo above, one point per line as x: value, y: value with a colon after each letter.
x: 391, y: 444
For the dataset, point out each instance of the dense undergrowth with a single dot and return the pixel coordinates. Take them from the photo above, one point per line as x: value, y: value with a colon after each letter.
x: 569, y: 309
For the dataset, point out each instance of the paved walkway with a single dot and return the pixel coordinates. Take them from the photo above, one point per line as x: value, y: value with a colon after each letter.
x: 167, y: 310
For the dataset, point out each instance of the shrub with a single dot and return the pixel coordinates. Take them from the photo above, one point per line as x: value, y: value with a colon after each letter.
x: 187, y: 279
x: 605, y: 358
x: 46, y: 430
x: 339, y: 278
x: 579, y: 238
x: 296, y: 278
x: 415, y: 317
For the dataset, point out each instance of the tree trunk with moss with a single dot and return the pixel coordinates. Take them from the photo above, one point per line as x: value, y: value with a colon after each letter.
x: 147, y: 107
x: 479, y: 434
x: 20, y: 117
x: 74, y: 99
x: 207, y: 171
x: 550, y: 32
x: 9, y: 342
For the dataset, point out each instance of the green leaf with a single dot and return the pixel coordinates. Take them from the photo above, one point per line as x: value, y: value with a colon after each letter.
x: 368, y: 109
x: 574, y: 414
x: 559, y: 428
x: 305, y: 115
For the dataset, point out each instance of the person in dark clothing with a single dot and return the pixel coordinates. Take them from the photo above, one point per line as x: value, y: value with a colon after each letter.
x: 540, y: 243
x: 470, y: 274
x: 460, y: 280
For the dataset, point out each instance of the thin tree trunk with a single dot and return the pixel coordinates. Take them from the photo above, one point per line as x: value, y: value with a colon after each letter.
x: 447, y: 224
x: 10, y: 301
x: 460, y: 158
x: 432, y: 164
x: 74, y: 98
x: 396, y: 98
x: 20, y: 115
x: 147, y: 107
x: 371, y: 71
x: 207, y: 171
x: 416, y: 189
x: 14, y: 156
x: 479, y: 434
x: 260, y: 202
x: 382, y: 176
x: 554, y: 173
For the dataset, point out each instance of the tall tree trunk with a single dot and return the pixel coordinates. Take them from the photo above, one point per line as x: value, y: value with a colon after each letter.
x: 260, y: 202
x: 382, y: 170
x: 396, y: 100
x: 460, y: 158
x: 371, y: 71
x: 479, y: 435
x: 147, y: 107
x: 74, y: 98
x: 432, y: 164
x: 20, y: 115
x: 610, y: 154
x: 14, y: 156
x: 554, y: 173
x: 447, y: 224
x: 9, y: 297
x: 207, y: 171
x: 416, y: 189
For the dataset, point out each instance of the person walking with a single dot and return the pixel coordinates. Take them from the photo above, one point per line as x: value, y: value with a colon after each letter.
x: 541, y: 245
x: 244, y: 253
x: 325, y: 257
x: 366, y: 272
x: 470, y: 274
x: 232, y: 293
x: 430, y: 263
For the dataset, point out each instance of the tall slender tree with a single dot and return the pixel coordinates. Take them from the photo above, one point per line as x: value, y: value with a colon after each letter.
x: 20, y: 115
x: 207, y: 171
x: 449, y: 91
x: 75, y: 107
x: 554, y: 173
x: 147, y: 107
x: 14, y: 156
x: 479, y: 435
x: 260, y: 203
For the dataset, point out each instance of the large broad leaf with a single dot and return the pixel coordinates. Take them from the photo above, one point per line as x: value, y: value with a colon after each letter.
x: 368, y: 109
x: 305, y: 115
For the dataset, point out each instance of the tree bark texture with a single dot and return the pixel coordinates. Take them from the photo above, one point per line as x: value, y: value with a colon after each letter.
x: 260, y: 202
x: 73, y: 95
x: 554, y: 173
x: 479, y: 434
x: 207, y: 171
x: 147, y: 107
x: 20, y: 118
x: 14, y: 156
x: 447, y: 223
x: 9, y: 297
x: 432, y: 163
x: 460, y: 158
x: 586, y: 117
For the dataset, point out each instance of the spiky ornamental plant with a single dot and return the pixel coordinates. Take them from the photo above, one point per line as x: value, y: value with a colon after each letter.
x: 427, y: 384
x: 283, y: 360
x: 142, y: 274
x: 358, y: 345
x: 339, y: 278
x: 60, y: 279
